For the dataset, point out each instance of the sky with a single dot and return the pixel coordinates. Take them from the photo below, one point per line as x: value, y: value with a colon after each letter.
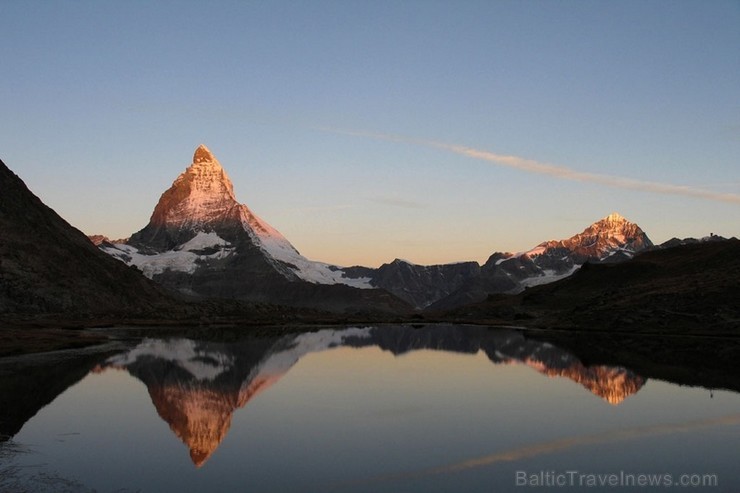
x: 433, y: 131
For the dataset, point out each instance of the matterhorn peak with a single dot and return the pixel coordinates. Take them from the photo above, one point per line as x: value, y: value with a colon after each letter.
x: 201, y: 195
x: 203, y: 155
x: 198, y: 227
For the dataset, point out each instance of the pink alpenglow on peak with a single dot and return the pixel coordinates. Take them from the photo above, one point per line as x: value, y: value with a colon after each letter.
x: 202, y: 193
x: 204, y: 155
x: 198, y: 224
x: 601, y: 239
x: 615, y: 217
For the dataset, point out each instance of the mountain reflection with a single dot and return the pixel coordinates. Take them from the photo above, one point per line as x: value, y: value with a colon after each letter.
x: 196, y: 386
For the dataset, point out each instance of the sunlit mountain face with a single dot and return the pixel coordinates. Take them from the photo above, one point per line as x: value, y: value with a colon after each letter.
x: 197, y: 386
x: 201, y: 242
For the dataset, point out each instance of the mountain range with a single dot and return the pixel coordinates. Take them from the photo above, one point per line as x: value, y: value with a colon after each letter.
x: 436, y: 287
x: 205, y: 257
x: 201, y: 242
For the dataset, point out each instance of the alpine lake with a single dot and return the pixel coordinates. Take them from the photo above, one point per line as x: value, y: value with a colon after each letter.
x: 438, y: 408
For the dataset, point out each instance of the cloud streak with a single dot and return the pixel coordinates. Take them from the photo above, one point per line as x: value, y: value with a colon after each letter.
x: 397, y: 202
x: 555, y: 171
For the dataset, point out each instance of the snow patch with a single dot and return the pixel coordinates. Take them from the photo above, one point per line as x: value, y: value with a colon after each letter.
x: 204, y: 240
x: 279, y: 248
x: 547, y: 277
x: 182, y: 259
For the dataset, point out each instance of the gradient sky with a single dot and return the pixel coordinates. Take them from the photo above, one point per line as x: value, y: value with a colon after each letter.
x: 343, y: 123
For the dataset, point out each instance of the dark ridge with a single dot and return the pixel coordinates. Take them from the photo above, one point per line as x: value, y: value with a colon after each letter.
x: 48, y: 266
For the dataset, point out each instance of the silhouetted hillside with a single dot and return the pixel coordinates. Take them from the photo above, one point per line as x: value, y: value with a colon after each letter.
x: 47, y: 266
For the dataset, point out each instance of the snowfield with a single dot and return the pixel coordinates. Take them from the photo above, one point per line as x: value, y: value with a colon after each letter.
x: 277, y: 247
x: 182, y: 259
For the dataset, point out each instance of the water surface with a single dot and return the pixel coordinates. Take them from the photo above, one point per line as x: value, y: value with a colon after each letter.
x: 368, y: 409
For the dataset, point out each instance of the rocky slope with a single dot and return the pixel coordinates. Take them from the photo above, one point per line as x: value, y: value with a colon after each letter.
x: 49, y: 267
x: 418, y: 285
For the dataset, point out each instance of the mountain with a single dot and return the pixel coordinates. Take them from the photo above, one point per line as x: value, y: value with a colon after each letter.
x: 49, y: 267
x: 613, y: 235
x: 691, y: 288
x: 418, y: 285
x: 201, y: 242
x: 612, y: 239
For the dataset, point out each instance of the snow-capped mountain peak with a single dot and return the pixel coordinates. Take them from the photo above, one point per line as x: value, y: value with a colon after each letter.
x: 201, y: 205
x: 614, y: 218
x: 611, y: 239
x: 204, y: 155
x: 598, y: 241
x: 614, y: 224
x: 609, y: 234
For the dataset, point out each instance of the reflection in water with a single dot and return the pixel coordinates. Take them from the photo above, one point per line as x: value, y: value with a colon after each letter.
x: 549, y: 447
x: 197, y: 386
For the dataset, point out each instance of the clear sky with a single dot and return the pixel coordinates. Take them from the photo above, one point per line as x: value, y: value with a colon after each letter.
x: 370, y: 130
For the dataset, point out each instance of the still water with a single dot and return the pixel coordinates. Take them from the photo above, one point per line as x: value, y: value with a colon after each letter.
x: 366, y: 409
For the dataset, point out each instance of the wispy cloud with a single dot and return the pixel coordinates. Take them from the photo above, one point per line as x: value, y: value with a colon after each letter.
x: 397, y: 202
x: 323, y: 208
x: 556, y: 171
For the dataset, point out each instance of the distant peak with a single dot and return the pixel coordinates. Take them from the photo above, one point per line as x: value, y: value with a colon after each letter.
x: 203, y: 155
x: 613, y: 220
x: 615, y: 217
